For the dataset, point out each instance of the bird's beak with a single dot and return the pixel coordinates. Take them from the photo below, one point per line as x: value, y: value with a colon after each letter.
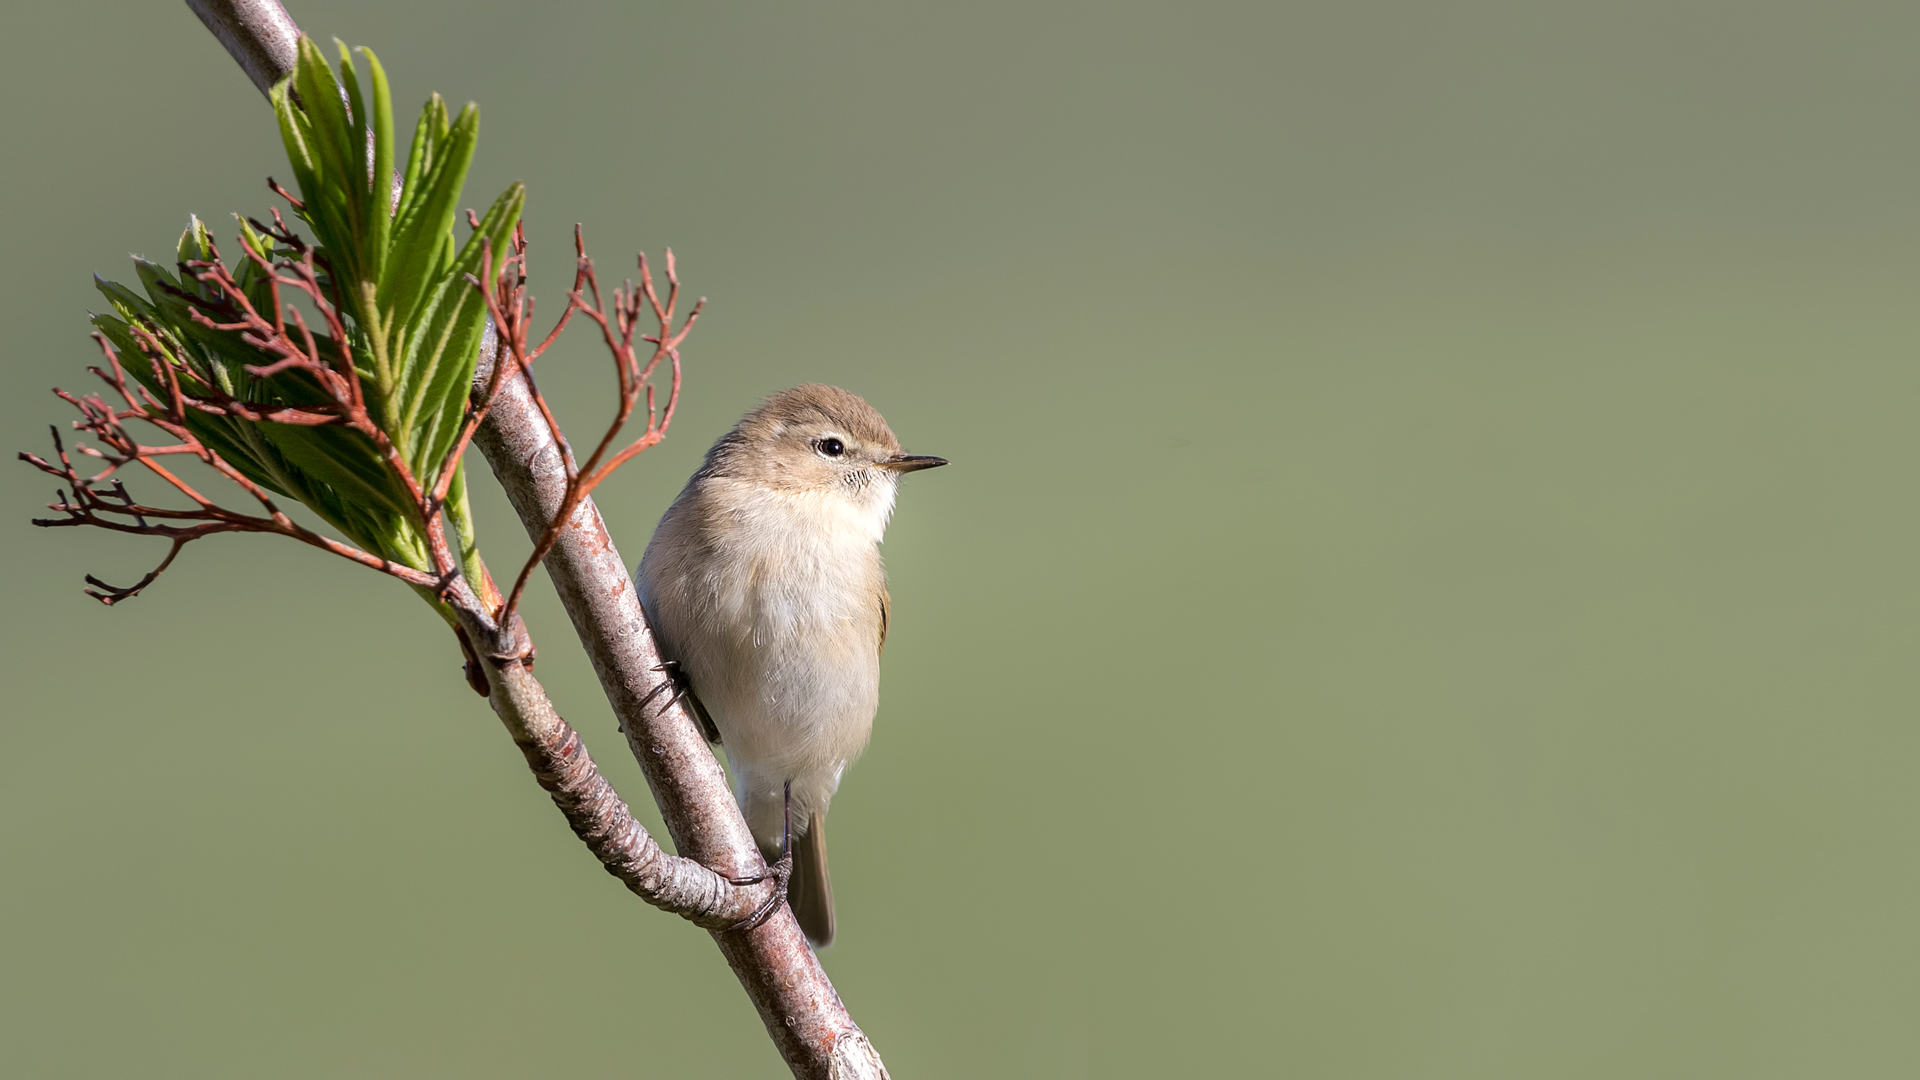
x: 912, y: 462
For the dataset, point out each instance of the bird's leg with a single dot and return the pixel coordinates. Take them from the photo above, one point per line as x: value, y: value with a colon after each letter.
x: 779, y: 871
x: 682, y: 690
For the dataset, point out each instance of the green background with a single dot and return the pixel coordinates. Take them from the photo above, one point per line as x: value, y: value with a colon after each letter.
x: 1426, y: 587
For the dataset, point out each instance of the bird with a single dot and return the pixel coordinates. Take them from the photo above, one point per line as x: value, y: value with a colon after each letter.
x: 764, y: 588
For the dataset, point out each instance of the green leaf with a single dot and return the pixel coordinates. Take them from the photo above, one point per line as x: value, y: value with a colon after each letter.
x: 381, y: 207
x: 344, y: 460
x: 252, y: 280
x: 452, y: 321
x: 460, y: 516
x: 417, y: 236
x: 429, y: 138
x: 389, y: 261
x: 337, y: 157
x: 195, y: 243
x: 335, y: 154
x: 296, y: 136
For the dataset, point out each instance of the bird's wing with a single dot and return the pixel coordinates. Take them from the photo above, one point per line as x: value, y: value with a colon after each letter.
x: 886, y: 611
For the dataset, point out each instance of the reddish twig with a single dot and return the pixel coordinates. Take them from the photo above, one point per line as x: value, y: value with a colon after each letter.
x: 511, y: 282
x: 84, y: 502
x: 337, y: 375
x: 619, y: 325
x: 275, y: 187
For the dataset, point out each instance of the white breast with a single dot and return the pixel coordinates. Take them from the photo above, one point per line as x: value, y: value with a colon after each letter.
x: 776, y: 618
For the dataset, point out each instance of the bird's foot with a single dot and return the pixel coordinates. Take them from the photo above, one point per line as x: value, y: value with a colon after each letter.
x: 682, y: 688
x: 780, y: 870
x: 780, y: 873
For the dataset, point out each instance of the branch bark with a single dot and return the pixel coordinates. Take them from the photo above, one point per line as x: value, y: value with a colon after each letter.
x: 560, y: 762
x: 259, y: 35
x: 778, y: 969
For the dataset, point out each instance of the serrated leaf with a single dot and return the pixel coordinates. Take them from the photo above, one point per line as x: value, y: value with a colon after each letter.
x: 336, y: 156
x: 418, y: 236
x: 419, y: 157
x: 295, y: 135
x: 454, y: 320
x: 380, y: 194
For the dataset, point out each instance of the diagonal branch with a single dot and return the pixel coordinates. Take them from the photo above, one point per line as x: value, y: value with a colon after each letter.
x: 802, y: 1013
x: 563, y: 767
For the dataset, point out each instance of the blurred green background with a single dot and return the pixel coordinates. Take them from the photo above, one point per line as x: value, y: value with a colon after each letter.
x: 1426, y: 587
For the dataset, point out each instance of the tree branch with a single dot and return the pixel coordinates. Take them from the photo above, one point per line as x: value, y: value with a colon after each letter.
x: 563, y: 767
x: 775, y: 965
x: 259, y: 35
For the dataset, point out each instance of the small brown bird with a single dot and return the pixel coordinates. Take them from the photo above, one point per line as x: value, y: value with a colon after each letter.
x: 763, y: 583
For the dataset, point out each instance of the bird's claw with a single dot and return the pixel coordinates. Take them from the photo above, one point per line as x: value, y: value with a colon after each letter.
x: 682, y: 691
x: 781, y: 872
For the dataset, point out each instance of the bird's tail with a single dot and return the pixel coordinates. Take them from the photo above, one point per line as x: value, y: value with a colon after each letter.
x: 810, y: 893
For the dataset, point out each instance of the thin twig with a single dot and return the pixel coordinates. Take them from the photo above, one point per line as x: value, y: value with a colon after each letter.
x: 508, y: 304
x: 82, y: 502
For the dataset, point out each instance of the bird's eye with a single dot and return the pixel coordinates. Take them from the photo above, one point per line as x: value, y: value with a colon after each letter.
x: 831, y: 446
